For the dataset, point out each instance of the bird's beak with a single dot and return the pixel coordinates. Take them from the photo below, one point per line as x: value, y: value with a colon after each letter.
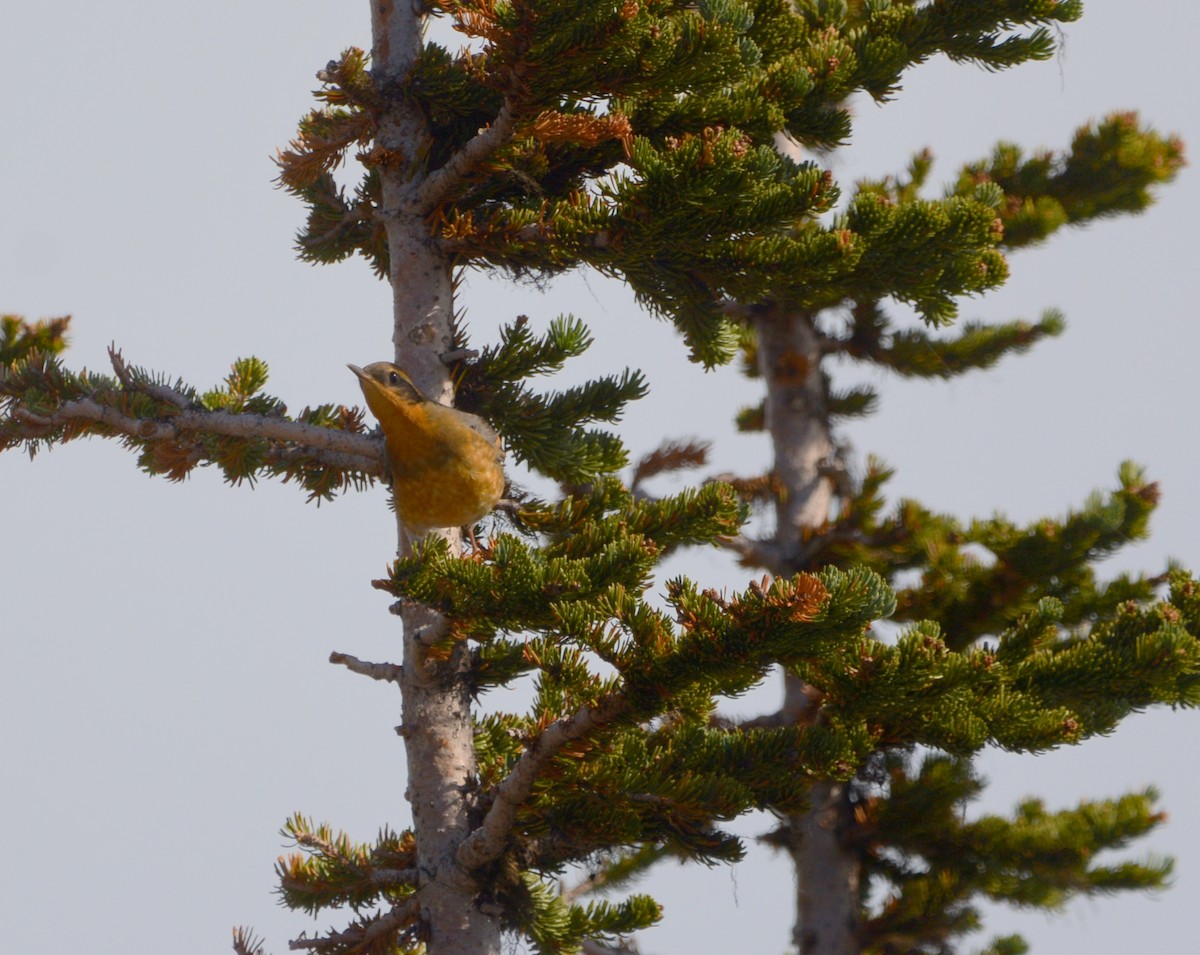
x: 358, y: 371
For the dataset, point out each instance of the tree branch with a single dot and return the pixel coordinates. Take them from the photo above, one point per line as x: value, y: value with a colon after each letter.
x: 488, y: 841
x: 157, y: 391
x: 387, y: 672
x: 441, y: 182
x: 360, y: 937
x: 328, y: 446
x: 394, y: 877
x: 756, y: 553
x: 539, y: 232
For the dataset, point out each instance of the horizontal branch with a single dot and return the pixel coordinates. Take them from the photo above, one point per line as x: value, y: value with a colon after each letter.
x: 533, y: 232
x: 360, y: 937
x: 755, y: 553
x: 487, y: 842
x: 328, y: 446
x: 394, y: 877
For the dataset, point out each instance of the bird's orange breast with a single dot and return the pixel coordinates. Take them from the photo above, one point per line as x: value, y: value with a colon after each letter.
x: 450, y: 476
x: 447, y: 467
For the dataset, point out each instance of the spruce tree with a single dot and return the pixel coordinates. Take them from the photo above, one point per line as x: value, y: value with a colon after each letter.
x: 644, y: 140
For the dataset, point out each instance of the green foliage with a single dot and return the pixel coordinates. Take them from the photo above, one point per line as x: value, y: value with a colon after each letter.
x: 895, y: 244
x: 547, y: 431
x: 1037, y: 690
x: 914, y: 353
x: 972, y: 597
x: 173, y: 429
x: 645, y: 147
x: 333, y: 872
x: 1006, y: 945
x: 19, y: 339
x: 935, y: 860
x: 1109, y: 170
x: 243, y: 390
x: 977, y: 580
x: 1066, y: 657
x: 924, y: 253
x: 661, y: 773
x: 1129, y: 660
x: 670, y: 787
x: 852, y: 403
x: 338, y: 226
x: 640, y: 138
x: 555, y: 927
x: 244, y: 431
x: 656, y: 773
x: 601, y: 545
x: 613, y: 869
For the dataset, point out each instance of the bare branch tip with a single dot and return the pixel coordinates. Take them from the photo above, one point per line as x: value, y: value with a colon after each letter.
x: 384, y: 672
x: 459, y: 354
x: 117, y: 360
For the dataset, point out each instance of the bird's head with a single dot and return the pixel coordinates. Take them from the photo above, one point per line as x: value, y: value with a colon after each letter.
x: 381, y: 381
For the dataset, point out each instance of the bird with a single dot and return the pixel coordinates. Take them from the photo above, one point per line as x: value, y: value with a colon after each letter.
x: 447, y: 465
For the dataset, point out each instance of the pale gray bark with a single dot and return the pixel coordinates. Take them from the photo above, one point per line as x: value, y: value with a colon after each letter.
x: 827, y: 876
x: 789, y: 359
x: 327, y: 446
x: 441, y: 777
x: 797, y: 417
x: 419, y: 269
x: 436, y: 703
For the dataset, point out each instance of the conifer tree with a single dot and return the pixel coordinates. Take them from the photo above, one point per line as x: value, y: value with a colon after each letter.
x: 676, y: 147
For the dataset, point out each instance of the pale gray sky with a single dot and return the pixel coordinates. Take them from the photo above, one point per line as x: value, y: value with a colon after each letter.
x: 164, y: 692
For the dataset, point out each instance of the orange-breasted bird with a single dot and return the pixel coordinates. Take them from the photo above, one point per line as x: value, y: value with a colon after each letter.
x: 447, y: 465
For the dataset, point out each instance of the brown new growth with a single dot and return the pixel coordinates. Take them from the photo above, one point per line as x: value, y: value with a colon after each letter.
x: 581, y: 130
x: 797, y: 599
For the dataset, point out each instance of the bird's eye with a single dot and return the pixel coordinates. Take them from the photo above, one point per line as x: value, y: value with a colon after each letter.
x: 393, y: 378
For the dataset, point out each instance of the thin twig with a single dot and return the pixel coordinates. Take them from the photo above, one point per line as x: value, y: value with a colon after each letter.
x: 459, y: 354
x: 154, y: 390
x: 310, y: 840
x: 400, y: 916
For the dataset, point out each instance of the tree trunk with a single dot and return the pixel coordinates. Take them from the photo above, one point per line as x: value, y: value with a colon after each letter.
x: 437, y: 724
x: 797, y: 417
x: 826, y: 875
x: 419, y: 270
